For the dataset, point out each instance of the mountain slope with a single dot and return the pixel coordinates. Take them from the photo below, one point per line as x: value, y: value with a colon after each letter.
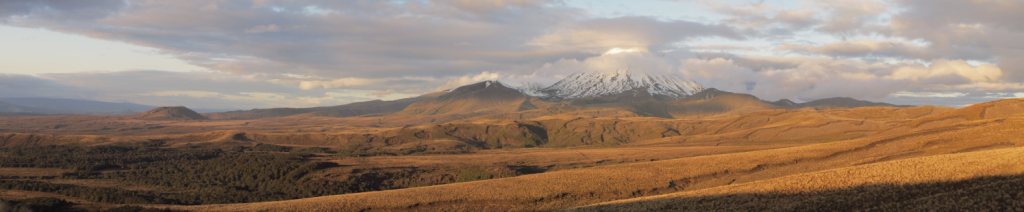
x: 943, y: 181
x: 171, y: 113
x: 346, y: 110
x: 598, y: 84
x: 840, y: 102
x: 584, y: 186
x: 482, y: 97
x: 8, y: 108
x: 712, y: 100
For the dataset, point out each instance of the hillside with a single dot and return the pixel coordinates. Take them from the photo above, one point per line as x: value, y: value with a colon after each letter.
x: 171, y: 113
x: 346, y: 110
x: 840, y: 102
x: 984, y: 180
x: 456, y: 149
x: 886, y: 150
x: 478, y: 98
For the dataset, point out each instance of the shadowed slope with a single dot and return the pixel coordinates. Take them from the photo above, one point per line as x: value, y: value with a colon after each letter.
x: 347, y: 110
x: 480, y: 98
x: 576, y: 187
x: 171, y: 113
x: 985, y: 180
x: 840, y: 102
x: 712, y: 101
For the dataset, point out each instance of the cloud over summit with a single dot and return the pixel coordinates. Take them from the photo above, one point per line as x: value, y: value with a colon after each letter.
x: 388, y: 49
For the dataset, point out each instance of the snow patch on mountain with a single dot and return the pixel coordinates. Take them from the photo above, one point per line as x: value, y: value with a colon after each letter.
x: 596, y: 84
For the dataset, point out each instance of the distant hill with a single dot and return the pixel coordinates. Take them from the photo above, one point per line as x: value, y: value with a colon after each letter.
x: 712, y: 100
x: 171, y: 113
x: 8, y: 108
x: 486, y: 96
x: 493, y: 97
x: 347, y: 110
x: 67, y: 106
x: 841, y: 102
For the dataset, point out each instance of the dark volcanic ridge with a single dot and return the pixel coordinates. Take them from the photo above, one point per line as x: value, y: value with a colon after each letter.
x: 684, y: 97
x: 171, y: 113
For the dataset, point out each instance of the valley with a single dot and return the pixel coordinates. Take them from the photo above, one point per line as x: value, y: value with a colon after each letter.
x: 479, y: 147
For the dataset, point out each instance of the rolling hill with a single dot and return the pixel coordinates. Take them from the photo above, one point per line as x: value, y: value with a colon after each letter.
x: 961, y: 153
x: 488, y: 146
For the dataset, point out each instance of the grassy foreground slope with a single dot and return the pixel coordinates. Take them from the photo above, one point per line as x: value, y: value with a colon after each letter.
x: 983, y: 180
x: 579, y: 187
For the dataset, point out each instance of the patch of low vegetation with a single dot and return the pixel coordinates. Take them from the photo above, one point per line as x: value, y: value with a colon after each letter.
x: 471, y: 174
x: 997, y: 193
x: 185, y: 176
x: 37, y: 204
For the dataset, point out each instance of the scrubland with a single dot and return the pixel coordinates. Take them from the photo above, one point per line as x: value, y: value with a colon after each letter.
x: 870, y: 158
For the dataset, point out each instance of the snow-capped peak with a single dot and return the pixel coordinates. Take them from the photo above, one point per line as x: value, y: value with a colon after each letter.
x: 596, y: 84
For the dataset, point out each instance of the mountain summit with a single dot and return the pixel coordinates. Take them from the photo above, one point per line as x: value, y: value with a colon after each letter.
x: 477, y: 98
x: 598, y: 84
x: 171, y: 113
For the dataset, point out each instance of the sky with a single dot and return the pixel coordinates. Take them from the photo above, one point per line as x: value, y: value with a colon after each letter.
x: 241, y: 54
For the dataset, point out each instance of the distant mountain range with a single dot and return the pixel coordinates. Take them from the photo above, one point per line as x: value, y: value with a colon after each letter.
x: 67, y: 106
x: 642, y: 94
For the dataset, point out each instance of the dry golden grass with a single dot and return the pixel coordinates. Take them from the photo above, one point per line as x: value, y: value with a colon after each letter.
x: 18, y: 195
x: 690, y: 153
x: 576, y: 187
x: 555, y: 158
x: 931, y: 169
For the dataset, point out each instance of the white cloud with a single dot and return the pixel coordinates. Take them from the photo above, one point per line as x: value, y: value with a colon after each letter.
x: 720, y: 73
x: 929, y: 94
x: 468, y: 79
x: 347, y: 82
x: 287, y: 52
x: 947, y: 72
x: 263, y: 29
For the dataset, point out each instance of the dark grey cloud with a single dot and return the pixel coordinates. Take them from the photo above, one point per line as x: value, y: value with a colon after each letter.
x: 193, y: 89
x: 60, y: 9
x: 368, y: 39
x: 327, y: 52
x: 979, y: 30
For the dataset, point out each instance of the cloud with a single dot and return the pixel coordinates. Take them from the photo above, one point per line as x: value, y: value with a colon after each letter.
x: 721, y: 73
x: 613, y: 60
x: 201, y: 89
x: 865, y: 48
x: 342, y: 41
x: 968, y: 30
x: 263, y: 29
x: 337, y: 83
x: 59, y: 9
x: 929, y: 94
x: 814, y: 78
x: 468, y: 79
x: 949, y: 72
x: 851, y: 16
x: 277, y: 52
x: 15, y: 85
x: 338, y: 39
x: 600, y: 35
